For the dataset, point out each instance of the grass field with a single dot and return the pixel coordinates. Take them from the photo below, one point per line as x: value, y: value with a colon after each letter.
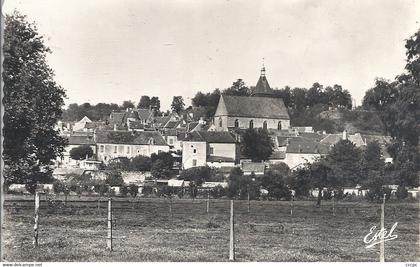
x: 144, y: 230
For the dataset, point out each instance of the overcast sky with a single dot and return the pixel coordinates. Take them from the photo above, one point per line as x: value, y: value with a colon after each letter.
x: 110, y: 51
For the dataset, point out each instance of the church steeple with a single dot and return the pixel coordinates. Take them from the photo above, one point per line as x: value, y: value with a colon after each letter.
x: 262, y: 88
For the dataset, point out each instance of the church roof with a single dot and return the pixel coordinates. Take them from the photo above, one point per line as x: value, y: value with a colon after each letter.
x: 262, y: 87
x: 252, y: 107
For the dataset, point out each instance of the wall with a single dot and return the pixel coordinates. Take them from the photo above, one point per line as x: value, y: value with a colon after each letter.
x: 223, y: 150
x: 229, y: 122
x: 188, y: 155
x: 128, y: 151
x: 295, y: 159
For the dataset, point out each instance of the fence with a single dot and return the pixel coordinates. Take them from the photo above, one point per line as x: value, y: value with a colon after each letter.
x: 244, y: 226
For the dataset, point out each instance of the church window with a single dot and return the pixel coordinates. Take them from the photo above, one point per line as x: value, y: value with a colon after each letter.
x: 236, y: 123
x: 220, y: 122
x: 265, y: 125
x: 251, y: 124
x: 279, y: 126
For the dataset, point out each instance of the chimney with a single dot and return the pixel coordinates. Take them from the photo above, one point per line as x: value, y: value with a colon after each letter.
x: 344, y: 135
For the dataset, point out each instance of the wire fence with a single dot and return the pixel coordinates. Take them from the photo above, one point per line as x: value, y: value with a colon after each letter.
x: 117, y: 220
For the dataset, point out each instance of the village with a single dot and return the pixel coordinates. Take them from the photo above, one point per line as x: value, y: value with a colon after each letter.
x: 194, y: 142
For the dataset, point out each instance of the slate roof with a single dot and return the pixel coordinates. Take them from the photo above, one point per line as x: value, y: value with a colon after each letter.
x: 81, y: 140
x: 278, y: 155
x: 144, y: 113
x: 253, y: 107
x: 136, y: 125
x: 332, y: 139
x: 306, y: 147
x: 131, y: 138
x: 211, y: 137
x: 262, y: 87
x: 256, y: 167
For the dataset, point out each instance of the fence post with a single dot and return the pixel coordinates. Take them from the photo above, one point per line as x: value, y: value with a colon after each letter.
x: 208, y: 201
x: 170, y: 207
x: 36, y: 219
x: 109, y: 238
x: 291, y: 207
x: 382, y: 245
x: 333, y: 199
x: 99, y: 204
x: 249, y: 202
x: 232, y: 234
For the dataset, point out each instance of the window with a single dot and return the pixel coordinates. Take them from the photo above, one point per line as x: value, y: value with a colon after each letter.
x: 236, y: 123
x: 115, y: 149
x: 279, y: 126
x: 102, y: 148
x: 251, y: 124
x: 220, y: 122
x: 194, y: 151
x: 211, y: 150
x: 171, y: 141
x: 151, y: 141
x: 128, y: 150
x: 194, y: 163
x: 265, y: 125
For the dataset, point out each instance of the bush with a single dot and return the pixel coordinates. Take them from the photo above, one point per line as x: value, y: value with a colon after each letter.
x: 133, y: 190
x: 123, y: 190
x: 402, y: 193
x: 81, y: 152
x: 114, y: 178
x: 147, y: 190
x: 376, y: 194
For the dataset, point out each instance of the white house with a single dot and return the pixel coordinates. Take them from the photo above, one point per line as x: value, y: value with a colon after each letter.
x: 300, y: 151
x: 115, y: 144
x: 214, y: 149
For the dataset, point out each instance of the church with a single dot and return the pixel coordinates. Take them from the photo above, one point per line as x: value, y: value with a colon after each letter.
x: 260, y: 110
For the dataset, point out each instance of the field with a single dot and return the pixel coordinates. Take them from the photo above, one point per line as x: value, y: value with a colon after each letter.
x: 146, y: 230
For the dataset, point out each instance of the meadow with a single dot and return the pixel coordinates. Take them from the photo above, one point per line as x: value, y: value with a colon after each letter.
x: 156, y: 229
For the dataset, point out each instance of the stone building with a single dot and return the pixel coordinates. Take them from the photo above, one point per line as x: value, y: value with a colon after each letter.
x: 261, y: 110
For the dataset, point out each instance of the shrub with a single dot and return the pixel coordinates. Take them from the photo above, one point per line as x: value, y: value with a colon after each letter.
x: 402, y: 192
x: 123, y: 190
x: 133, y: 190
x: 81, y: 152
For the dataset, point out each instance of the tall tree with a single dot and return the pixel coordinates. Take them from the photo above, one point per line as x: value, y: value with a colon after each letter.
x: 144, y: 102
x: 32, y: 103
x: 127, y: 104
x: 413, y: 57
x: 155, y: 103
x: 177, y: 104
x: 238, y: 88
x: 257, y: 144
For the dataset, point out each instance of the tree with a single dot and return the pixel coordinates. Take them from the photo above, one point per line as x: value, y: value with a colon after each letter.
x: 276, y: 186
x: 319, y: 172
x: 413, y: 57
x: 197, y: 175
x: 155, y: 103
x: 209, y: 101
x: 140, y: 163
x: 32, y: 105
x: 81, y: 152
x: 372, y: 170
x: 133, y: 190
x: 114, y: 178
x: 160, y: 169
x: 127, y: 104
x: 177, y: 104
x: 144, y: 102
x: 238, y: 88
x: 257, y: 144
x: 343, y: 160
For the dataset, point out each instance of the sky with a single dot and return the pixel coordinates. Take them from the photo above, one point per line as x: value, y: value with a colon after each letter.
x: 111, y: 51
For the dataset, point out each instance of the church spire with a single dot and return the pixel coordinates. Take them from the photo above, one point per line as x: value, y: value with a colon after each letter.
x: 262, y: 88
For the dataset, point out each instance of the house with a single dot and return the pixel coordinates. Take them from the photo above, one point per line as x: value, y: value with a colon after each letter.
x: 261, y: 110
x: 214, y: 149
x: 300, y: 151
x: 332, y: 139
x: 80, y: 125
x: 256, y: 168
x: 174, y: 138
x: 76, y: 140
x: 114, y: 144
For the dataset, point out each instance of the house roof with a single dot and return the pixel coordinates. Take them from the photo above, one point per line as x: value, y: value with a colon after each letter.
x: 65, y: 171
x: 117, y: 118
x: 278, y: 155
x: 256, y: 167
x: 219, y: 159
x: 262, y: 87
x: 306, y: 147
x: 252, y: 107
x: 132, y: 138
x: 172, y: 124
x: 144, y: 113
x: 212, y: 137
x: 81, y: 140
x: 332, y: 139
x: 136, y: 125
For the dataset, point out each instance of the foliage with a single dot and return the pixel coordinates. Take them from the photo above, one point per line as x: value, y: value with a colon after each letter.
x: 113, y: 178
x: 81, y: 152
x: 257, y: 144
x: 32, y: 105
x: 402, y: 192
x: 144, y: 102
x: 140, y: 163
x: 372, y: 166
x: 100, y: 111
x: 127, y: 104
x: 133, y: 190
x: 198, y: 175
x: 276, y: 186
x: 177, y: 104
x: 123, y: 190
x: 160, y: 169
